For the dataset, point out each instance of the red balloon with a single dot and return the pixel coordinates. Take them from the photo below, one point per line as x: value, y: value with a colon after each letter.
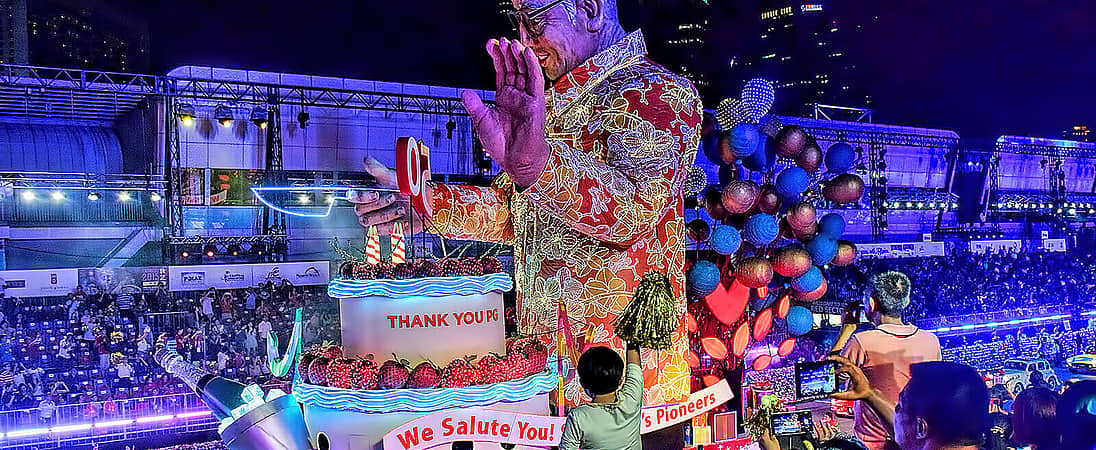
x: 711, y: 380
x: 807, y: 233
x: 791, y: 261
x: 712, y: 201
x: 741, y: 339
x: 786, y: 347
x: 790, y: 141
x: 697, y: 230
x: 810, y: 158
x: 692, y: 359
x: 762, y: 324
x: 762, y: 362
x: 690, y: 323
x: 714, y: 347
x: 801, y: 216
x: 812, y: 295
x: 845, y: 188
x: 768, y: 201
x: 846, y: 253
x: 727, y: 305
x: 739, y: 196
x: 754, y: 272
x: 782, y: 306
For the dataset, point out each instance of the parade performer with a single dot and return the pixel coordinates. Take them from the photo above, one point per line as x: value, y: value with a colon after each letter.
x: 590, y: 196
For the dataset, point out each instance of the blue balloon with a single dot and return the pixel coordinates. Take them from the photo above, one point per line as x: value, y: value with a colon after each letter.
x: 800, y: 320
x: 710, y: 147
x: 725, y: 240
x: 761, y: 229
x: 744, y: 139
x: 703, y: 278
x: 808, y: 281
x: 764, y: 157
x: 791, y: 182
x: 832, y: 225
x: 840, y: 158
x: 822, y: 249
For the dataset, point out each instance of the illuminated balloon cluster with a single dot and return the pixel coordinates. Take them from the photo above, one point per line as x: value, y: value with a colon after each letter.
x: 770, y: 244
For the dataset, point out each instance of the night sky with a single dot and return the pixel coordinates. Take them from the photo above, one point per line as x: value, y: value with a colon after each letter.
x: 981, y: 68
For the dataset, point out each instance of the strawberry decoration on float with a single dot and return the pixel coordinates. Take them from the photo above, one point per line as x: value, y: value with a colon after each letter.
x: 770, y: 237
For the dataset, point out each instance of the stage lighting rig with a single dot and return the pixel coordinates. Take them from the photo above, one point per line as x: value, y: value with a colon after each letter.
x: 209, y: 250
x: 302, y: 118
x: 185, y: 113
x: 94, y: 196
x: 223, y: 115
x: 259, y: 116
x: 234, y: 249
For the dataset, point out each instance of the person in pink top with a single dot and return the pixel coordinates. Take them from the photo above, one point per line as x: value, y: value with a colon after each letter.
x: 885, y: 352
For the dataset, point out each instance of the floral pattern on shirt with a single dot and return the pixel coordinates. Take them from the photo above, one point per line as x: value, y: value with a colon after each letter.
x: 607, y: 209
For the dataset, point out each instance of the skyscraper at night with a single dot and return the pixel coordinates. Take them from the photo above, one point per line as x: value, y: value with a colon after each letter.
x: 72, y: 33
x: 688, y: 52
x: 803, y: 49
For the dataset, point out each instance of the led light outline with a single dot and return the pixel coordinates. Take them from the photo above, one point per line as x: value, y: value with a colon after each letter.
x: 106, y: 424
x: 421, y: 287
x: 1009, y: 322
x: 341, y: 193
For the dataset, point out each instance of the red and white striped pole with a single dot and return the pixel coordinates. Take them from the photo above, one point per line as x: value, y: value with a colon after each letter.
x: 373, y: 247
x: 399, y: 248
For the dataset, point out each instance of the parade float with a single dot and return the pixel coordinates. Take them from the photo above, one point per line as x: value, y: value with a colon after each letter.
x: 424, y: 360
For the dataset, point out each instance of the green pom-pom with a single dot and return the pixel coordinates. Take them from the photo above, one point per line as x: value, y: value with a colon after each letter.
x: 651, y: 317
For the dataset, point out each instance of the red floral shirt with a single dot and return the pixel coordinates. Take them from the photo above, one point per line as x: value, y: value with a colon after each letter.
x: 607, y: 209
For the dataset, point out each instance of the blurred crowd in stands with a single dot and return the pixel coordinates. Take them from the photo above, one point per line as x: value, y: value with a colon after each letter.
x: 968, y: 283
x: 94, y: 350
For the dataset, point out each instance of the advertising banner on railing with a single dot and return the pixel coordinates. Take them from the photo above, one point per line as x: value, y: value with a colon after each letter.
x: 900, y: 250
x: 115, y: 280
x: 1003, y: 245
x: 1054, y: 245
x: 38, y: 283
x: 238, y: 276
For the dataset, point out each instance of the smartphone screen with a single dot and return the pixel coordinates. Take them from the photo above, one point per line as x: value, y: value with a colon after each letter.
x: 815, y: 379
x: 791, y: 423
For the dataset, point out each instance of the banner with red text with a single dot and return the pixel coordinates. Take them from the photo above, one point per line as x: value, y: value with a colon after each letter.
x: 483, y: 425
x: 659, y: 417
x: 480, y: 425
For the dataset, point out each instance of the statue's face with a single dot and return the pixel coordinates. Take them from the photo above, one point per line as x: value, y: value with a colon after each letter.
x: 557, y: 38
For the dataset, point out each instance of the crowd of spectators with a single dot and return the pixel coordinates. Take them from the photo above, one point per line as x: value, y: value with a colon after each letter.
x: 93, y: 350
x: 967, y: 283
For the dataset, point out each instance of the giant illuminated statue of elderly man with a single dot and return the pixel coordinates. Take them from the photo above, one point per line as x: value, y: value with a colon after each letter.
x: 591, y: 194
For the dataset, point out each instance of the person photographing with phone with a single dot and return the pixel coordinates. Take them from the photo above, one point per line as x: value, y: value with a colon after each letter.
x: 885, y: 352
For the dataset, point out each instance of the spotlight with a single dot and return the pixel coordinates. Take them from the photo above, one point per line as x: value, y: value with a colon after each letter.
x: 1058, y: 211
x: 258, y: 248
x: 234, y: 249
x: 259, y: 116
x: 1091, y: 211
x: 223, y: 115
x: 185, y: 113
x: 449, y: 127
x: 328, y: 199
x: 155, y: 196
x: 909, y: 204
x: 303, y: 118
x: 185, y: 254
x: 1072, y: 211
x: 954, y: 205
x: 28, y: 195
x: 304, y: 199
x: 210, y: 250
x: 57, y: 196
x: 920, y: 205
x: 932, y: 205
x: 123, y: 196
x: 93, y: 196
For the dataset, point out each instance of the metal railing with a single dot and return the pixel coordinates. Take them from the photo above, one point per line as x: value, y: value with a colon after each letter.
x: 80, y: 413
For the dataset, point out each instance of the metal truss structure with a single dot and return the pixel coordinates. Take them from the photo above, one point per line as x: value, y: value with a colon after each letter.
x: 92, y: 97
x: 875, y: 139
x: 1047, y: 147
x: 834, y: 112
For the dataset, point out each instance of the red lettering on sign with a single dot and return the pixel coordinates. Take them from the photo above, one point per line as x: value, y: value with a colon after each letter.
x: 447, y: 429
x: 443, y: 320
x: 392, y: 321
x: 405, y: 321
x: 417, y: 322
x: 410, y: 438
